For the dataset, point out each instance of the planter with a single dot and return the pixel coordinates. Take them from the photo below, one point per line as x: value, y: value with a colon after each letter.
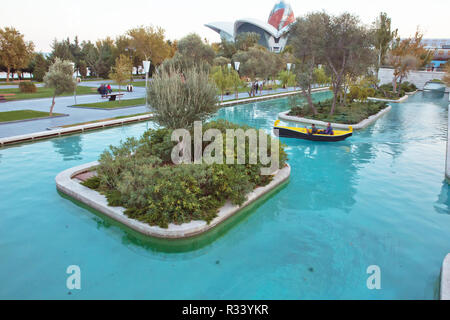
x: 358, y: 126
x: 73, y: 188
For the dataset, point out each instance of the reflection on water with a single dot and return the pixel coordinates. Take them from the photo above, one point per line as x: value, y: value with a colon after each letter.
x: 442, y: 204
x: 70, y: 147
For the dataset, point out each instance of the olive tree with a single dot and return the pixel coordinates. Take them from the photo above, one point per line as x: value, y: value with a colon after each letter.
x: 308, y: 37
x: 60, y: 78
x: 179, y: 99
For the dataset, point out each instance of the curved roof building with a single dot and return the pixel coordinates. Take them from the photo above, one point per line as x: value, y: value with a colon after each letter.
x: 273, y: 33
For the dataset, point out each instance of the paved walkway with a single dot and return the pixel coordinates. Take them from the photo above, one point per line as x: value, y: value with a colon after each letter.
x: 77, y: 115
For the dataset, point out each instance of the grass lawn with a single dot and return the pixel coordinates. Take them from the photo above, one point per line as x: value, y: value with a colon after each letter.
x: 24, y: 115
x: 44, y: 93
x: 135, y: 84
x: 114, y: 104
x: 349, y: 114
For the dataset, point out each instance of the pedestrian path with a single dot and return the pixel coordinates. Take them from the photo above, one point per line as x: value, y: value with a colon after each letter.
x: 76, y: 115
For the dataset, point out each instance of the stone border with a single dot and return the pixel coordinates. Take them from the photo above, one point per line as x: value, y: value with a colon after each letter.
x: 268, y: 97
x: 34, y: 119
x: 402, y: 99
x: 359, y: 126
x: 95, y: 200
x: 445, y: 279
x: 107, y: 109
x: 71, y: 130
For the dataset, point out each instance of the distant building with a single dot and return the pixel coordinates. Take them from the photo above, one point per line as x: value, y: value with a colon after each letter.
x: 441, y: 48
x: 273, y: 34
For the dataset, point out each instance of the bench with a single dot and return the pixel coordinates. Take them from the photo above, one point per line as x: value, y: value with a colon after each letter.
x: 112, y: 97
x: 3, y: 95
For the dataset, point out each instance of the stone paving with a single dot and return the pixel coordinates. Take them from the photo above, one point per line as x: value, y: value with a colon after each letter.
x: 78, y: 115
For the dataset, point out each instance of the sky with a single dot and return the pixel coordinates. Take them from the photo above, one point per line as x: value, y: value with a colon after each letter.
x: 44, y: 20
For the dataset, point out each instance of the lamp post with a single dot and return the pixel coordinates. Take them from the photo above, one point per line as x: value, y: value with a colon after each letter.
x: 237, y: 65
x: 75, y: 77
x: 146, y: 65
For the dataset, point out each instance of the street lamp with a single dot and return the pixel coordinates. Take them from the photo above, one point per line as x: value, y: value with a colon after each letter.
x: 146, y: 65
x: 237, y: 65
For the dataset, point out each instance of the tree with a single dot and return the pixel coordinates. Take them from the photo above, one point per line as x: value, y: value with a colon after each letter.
x: 60, y: 78
x: 221, y: 61
x: 105, y: 59
x: 406, y: 55
x: 287, y: 78
x: 258, y: 62
x: 91, y: 56
x: 15, y: 52
x: 195, y: 50
x: 179, y: 99
x: 39, y: 67
x: 236, y: 82
x: 150, y: 44
x: 222, y: 79
x: 122, y: 70
x: 383, y: 37
x: 348, y: 50
x: 192, y: 52
x: 308, y: 37
x: 246, y: 40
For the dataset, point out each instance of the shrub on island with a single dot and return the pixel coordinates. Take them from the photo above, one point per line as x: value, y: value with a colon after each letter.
x: 140, y: 176
x: 352, y: 113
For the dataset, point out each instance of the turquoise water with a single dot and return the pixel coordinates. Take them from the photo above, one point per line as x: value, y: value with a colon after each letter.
x: 377, y: 199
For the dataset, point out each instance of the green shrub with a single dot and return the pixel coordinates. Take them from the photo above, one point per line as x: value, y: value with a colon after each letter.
x: 139, y: 175
x: 27, y: 87
x: 92, y: 183
x: 353, y: 113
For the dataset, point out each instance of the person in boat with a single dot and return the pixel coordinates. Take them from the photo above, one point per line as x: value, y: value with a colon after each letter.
x: 329, y: 130
x: 313, y: 130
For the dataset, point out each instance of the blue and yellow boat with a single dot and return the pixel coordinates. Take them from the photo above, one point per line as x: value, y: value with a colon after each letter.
x: 304, y: 133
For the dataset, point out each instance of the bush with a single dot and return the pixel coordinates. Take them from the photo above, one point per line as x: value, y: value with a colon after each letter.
x: 353, y: 113
x: 179, y: 99
x: 139, y: 175
x: 27, y: 87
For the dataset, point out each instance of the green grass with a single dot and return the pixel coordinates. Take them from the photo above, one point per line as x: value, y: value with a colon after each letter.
x: 140, y: 84
x: 114, y: 104
x: 24, y: 115
x: 44, y: 93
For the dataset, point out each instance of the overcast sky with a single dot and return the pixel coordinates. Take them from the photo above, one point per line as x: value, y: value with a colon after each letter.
x: 44, y: 20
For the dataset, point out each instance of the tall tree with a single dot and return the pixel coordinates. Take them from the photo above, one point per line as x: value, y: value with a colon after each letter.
x: 15, y: 52
x: 221, y: 76
x: 60, y: 78
x: 308, y: 37
x: 150, y: 44
x: 39, y: 66
x: 407, y: 55
x: 383, y: 37
x: 348, y: 44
